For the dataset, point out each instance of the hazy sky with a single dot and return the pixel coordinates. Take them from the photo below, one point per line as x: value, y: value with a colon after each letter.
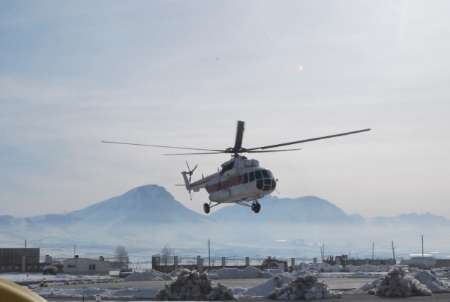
x: 182, y: 72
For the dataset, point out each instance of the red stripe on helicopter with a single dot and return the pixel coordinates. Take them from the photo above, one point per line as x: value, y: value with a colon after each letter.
x: 233, y: 181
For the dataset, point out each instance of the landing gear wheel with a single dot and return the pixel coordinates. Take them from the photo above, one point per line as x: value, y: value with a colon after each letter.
x: 206, y: 208
x: 256, y: 207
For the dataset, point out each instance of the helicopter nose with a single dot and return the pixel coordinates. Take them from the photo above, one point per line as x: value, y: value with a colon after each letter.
x: 267, y: 182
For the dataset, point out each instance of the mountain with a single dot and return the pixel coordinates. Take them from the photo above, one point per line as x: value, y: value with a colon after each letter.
x: 147, y: 214
x: 150, y: 216
x: 301, y: 210
x: 149, y: 204
x: 413, y: 219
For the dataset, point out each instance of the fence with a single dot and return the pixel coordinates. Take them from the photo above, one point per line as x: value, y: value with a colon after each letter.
x: 169, y: 263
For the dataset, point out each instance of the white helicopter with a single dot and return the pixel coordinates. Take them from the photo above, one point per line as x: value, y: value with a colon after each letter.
x: 240, y: 180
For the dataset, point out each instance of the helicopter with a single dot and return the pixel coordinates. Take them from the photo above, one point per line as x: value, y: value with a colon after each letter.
x: 239, y: 180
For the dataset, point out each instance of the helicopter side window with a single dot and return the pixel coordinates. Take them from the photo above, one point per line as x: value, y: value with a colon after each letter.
x: 251, y: 176
x: 258, y: 174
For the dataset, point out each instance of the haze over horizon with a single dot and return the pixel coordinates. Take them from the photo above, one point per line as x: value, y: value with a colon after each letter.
x: 181, y: 73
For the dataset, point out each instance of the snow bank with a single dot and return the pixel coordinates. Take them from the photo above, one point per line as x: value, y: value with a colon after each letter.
x: 328, y: 268
x: 194, y: 286
x: 151, y: 275
x: 367, y: 268
x: 319, y: 267
x: 238, y: 273
x: 304, y: 288
x: 431, y: 281
x: 397, y: 283
x: 266, y: 288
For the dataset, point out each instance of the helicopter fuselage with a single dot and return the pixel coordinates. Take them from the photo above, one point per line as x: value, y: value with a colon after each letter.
x: 240, y: 179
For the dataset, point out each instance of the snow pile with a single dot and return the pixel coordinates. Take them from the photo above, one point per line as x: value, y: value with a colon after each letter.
x: 266, y: 288
x: 319, y: 267
x: 369, y: 287
x: 329, y: 268
x: 151, y: 275
x: 304, y: 288
x: 367, y: 268
x: 431, y: 281
x: 194, y: 286
x: 396, y: 284
x: 238, y: 273
x: 274, y: 271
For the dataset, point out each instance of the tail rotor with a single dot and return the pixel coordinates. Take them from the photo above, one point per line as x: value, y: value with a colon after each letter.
x: 187, y: 176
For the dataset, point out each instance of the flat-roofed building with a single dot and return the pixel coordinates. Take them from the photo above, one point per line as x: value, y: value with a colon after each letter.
x: 87, y: 266
x: 19, y: 259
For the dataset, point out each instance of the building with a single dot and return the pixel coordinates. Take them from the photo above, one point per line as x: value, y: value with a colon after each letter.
x: 19, y: 260
x: 425, y: 261
x: 87, y: 266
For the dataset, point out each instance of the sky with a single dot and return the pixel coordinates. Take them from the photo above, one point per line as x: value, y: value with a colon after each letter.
x: 73, y: 73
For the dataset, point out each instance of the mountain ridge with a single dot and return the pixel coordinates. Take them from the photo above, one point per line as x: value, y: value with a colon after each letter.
x: 153, y: 204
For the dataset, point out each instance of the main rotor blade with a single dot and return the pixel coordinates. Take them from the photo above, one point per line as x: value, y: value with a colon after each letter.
x: 239, y: 135
x: 195, y: 153
x: 160, y: 146
x: 281, y: 150
x: 308, y: 140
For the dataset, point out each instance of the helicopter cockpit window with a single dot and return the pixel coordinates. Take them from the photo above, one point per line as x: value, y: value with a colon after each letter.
x: 258, y: 174
x: 227, y: 167
x: 251, y: 176
x: 265, y: 174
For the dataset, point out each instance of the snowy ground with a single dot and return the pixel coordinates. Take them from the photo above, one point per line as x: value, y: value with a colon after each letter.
x: 23, y: 278
x: 140, y: 288
x: 148, y: 289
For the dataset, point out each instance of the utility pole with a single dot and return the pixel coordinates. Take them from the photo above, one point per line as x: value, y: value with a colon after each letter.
x: 322, y: 252
x: 209, y: 253
x: 373, y: 250
x: 423, y: 254
x: 393, y: 252
x: 25, y: 243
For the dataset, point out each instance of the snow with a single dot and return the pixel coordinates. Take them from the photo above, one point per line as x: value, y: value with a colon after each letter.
x: 91, y: 292
x: 151, y: 275
x: 398, y: 282
x: 368, y: 268
x: 266, y: 288
x: 431, y: 281
x: 306, y: 287
x: 318, y: 267
x: 194, y: 285
x: 37, y: 277
x: 238, y: 273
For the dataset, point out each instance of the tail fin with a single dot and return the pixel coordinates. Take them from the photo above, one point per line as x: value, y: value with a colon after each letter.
x: 187, y: 183
x: 187, y: 180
